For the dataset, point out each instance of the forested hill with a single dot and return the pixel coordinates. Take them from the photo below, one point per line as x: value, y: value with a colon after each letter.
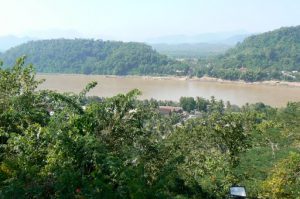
x: 92, y: 57
x: 270, y: 55
x: 278, y: 49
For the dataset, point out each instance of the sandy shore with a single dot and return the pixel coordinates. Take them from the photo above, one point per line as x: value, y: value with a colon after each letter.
x: 269, y: 82
x: 212, y: 79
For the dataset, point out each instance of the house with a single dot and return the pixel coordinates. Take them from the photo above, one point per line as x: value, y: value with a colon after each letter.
x: 166, y: 110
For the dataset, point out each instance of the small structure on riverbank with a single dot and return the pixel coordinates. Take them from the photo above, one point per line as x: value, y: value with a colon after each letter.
x: 166, y: 110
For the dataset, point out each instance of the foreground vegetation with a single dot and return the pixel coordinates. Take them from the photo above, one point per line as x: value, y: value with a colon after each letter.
x: 71, y: 146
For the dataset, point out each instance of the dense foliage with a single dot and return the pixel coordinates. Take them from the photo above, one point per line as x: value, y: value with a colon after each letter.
x: 69, y: 146
x: 93, y: 57
x: 271, y: 55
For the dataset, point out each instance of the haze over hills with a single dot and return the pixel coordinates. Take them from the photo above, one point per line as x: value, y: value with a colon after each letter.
x: 191, y: 50
x: 197, y: 46
x: 229, y: 38
x: 175, y: 46
x: 9, y: 41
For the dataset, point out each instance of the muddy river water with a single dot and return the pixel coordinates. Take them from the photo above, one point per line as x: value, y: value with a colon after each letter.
x: 173, y: 89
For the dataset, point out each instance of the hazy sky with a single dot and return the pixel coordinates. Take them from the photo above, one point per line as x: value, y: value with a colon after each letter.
x: 142, y: 19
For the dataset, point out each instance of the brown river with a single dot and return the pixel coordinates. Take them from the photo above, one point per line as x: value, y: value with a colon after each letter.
x: 173, y: 89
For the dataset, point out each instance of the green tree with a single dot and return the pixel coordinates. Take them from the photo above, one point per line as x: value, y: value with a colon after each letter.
x: 202, y: 104
x: 284, y: 179
x: 187, y: 103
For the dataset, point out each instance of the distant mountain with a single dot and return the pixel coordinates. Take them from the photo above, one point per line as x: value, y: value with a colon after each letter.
x: 187, y: 50
x: 233, y: 40
x: 92, y: 57
x: 230, y: 38
x: 9, y: 41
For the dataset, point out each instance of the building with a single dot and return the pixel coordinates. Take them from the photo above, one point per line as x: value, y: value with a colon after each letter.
x: 166, y: 110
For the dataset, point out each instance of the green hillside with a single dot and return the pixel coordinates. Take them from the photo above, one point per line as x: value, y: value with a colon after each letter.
x: 279, y: 49
x: 92, y: 57
x: 271, y: 55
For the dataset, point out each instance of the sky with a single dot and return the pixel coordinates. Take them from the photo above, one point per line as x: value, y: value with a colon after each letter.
x: 139, y: 20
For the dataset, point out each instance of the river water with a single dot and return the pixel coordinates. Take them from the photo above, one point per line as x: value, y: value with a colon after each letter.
x: 173, y: 89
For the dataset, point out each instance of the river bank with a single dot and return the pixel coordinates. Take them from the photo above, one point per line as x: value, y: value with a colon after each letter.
x: 210, y: 79
x: 268, y: 82
x: 185, y: 78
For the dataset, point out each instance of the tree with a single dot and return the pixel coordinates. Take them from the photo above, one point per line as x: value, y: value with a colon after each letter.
x: 187, y: 103
x: 19, y: 104
x: 284, y: 179
x: 202, y: 104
